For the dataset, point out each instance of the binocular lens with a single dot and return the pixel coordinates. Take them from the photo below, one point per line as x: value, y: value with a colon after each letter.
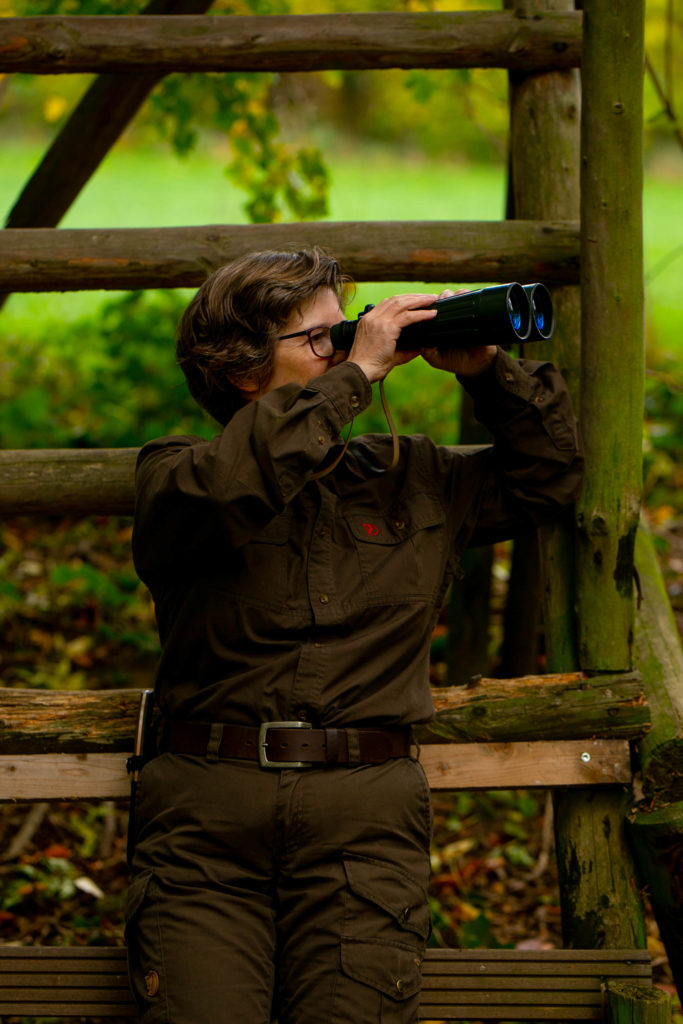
x: 541, y: 310
x: 514, y: 313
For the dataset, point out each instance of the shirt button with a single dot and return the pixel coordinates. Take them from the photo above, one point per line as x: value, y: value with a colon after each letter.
x: 302, y: 715
x: 323, y: 531
x: 539, y: 399
x: 354, y: 401
x: 321, y: 439
x: 324, y: 599
x: 400, y: 524
x: 509, y: 378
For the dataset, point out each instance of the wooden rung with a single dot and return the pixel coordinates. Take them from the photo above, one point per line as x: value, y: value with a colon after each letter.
x: 168, y: 43
x: 447, y: 766
x: 71, y: 259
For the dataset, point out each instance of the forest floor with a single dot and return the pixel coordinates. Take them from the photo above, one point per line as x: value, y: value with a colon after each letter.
x: 62, y: 867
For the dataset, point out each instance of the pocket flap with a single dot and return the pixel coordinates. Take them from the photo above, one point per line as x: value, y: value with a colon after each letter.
x: 418, y: 512
x: 391, y: 969
x: 391, y: 889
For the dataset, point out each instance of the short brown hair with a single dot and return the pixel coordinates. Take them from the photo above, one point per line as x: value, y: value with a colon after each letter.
x: 228, y: 333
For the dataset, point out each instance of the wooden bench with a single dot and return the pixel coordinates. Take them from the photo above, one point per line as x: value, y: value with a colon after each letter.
x: 74, y: 745
x: 458, y: 984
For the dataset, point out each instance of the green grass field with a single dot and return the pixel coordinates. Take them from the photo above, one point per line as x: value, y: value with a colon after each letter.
x: 137, y: 188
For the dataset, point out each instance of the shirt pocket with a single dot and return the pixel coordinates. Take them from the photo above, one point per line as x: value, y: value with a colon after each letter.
x: 386, y: 924
x: 400, y: 551
x: 260, y: 571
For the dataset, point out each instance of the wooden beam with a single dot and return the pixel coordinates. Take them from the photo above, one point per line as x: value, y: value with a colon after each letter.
x: 447, y: 766
x: 566, y: 707
x: 437, y: 39
x: 42, y: 259
x: 82, y: 481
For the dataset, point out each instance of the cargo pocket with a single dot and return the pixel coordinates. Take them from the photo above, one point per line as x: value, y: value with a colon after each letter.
x: 386, y: 924
x: 145, y: 955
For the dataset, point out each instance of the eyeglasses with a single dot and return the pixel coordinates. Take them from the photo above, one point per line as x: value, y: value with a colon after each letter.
x: 318, y: 338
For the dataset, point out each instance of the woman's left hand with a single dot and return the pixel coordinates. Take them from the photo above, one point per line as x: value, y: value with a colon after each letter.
x: 466, y: 362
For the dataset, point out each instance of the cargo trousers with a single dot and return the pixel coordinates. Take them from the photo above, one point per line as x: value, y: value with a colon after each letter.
x: 297, y: 896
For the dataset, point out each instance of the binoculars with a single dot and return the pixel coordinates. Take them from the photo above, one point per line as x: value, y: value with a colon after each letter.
x: 500, y: 315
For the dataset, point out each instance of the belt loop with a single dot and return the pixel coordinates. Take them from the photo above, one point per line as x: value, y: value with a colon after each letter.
x: 353, y: 740
x: 414, y: 742
x: 331, y: 746
x: 213, y: 747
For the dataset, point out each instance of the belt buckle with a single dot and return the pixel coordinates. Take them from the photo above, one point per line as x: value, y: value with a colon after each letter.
x: 263, y: 758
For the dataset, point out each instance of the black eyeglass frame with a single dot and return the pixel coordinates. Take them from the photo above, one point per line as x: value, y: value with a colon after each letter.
x: 308, y: 332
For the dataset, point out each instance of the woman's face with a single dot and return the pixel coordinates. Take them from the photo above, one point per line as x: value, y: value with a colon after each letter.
x: 295, y: 361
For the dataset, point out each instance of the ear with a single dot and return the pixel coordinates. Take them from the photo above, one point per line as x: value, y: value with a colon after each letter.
x: 248, y: 387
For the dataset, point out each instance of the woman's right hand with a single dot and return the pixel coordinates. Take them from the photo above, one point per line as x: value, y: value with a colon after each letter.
x: 374, y: 346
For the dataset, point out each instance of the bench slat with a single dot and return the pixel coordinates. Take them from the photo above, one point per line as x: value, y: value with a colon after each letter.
x: 468, y: 984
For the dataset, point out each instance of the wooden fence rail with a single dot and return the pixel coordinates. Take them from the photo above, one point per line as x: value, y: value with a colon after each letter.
x: 73, y: 745
x: 44, y: 259
x: 565, y: 706
x: 172, y: 43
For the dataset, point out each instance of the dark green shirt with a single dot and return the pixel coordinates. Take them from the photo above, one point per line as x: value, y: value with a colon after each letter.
x: 280, y: 596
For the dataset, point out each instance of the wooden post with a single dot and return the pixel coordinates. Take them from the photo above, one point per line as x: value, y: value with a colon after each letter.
x: 659, y: 655
x: 657, y: 838
x: 657, y: 828
x: 612, y: 356
x: 600, y: 905
x: 627, y: 1003
x: 544, y: 182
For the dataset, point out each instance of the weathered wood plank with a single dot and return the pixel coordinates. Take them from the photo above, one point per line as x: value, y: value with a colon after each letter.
x: 43, y: 259
x: 566, y: 706
x: 436, y: 39
x: 526, y: 765
x: 447, y: 766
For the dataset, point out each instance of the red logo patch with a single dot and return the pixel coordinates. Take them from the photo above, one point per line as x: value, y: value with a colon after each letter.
x: 370, y: 529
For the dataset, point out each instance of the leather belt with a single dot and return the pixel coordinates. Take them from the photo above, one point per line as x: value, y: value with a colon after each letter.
x: 287, y: 744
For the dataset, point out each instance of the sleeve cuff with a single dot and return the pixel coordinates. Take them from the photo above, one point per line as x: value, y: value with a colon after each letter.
x: 504, y: 374
x: 347, y: 388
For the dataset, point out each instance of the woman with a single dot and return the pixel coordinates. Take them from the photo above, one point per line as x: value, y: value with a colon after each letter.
x: 280, y: 870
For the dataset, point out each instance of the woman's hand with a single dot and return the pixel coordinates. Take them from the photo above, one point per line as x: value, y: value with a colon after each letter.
x: 466, y: 362
x: 374, y: 346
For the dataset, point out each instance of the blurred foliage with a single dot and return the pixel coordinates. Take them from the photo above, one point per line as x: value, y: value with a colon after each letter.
x: 459, y: 113
x: 73, y: 614
x: 103, y: 381
x: 663, y: 468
